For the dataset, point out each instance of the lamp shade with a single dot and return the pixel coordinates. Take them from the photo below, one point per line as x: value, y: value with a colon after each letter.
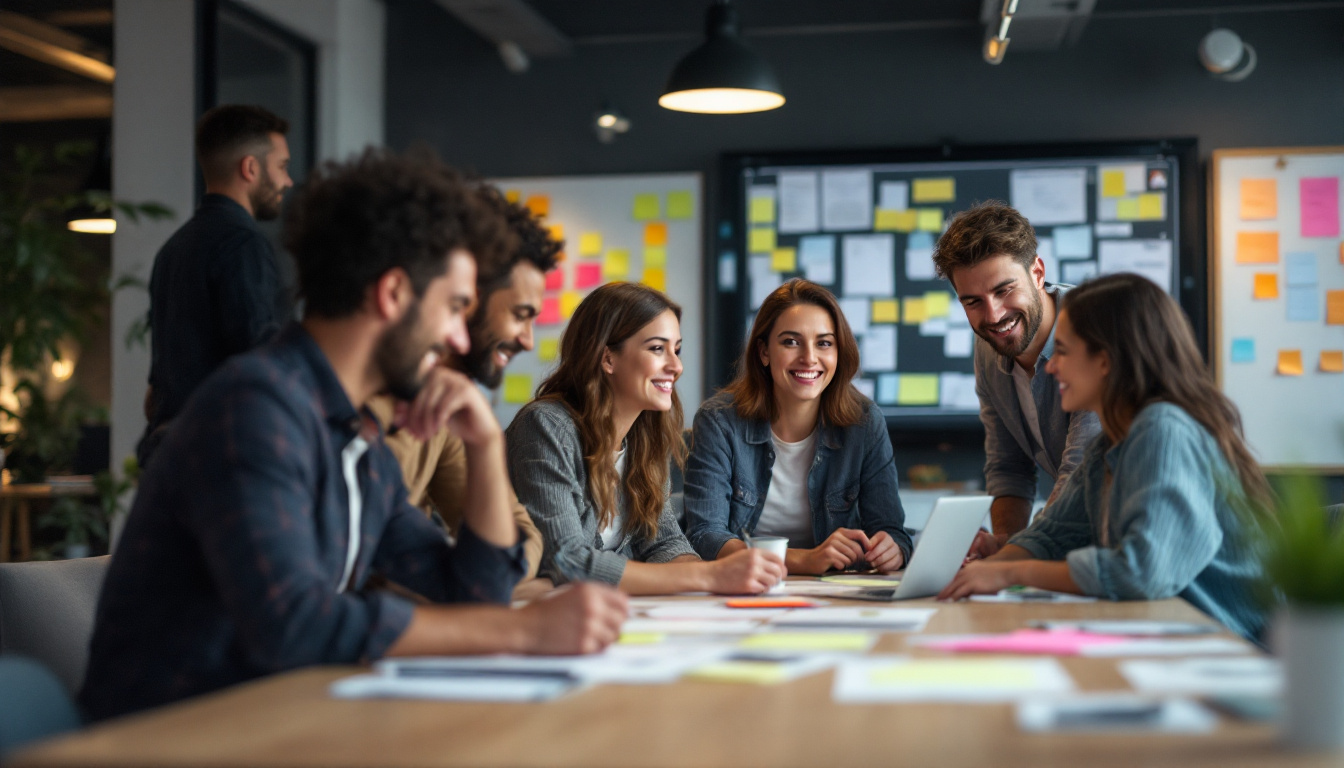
x: 722, y: 76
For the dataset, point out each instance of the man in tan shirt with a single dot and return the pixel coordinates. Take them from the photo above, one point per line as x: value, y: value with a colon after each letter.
x: 509, y: 296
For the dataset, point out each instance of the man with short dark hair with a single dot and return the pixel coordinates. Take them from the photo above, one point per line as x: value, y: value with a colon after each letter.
x: 260, y: 536
x: 214, y: 290
x: 988, y: 254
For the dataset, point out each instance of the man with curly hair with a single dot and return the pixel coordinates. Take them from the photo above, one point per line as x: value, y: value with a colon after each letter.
x: 509, y: 294
x: 265, y: 531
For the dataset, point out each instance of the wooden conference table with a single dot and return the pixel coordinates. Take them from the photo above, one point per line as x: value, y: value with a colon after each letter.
x: 289, y: 720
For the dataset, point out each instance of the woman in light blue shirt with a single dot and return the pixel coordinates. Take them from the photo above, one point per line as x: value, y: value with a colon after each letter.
x: 1164, y: 500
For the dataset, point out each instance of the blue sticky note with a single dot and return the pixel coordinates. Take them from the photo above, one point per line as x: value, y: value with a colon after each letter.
x: 1243, y: 350
x: 1301, y: 269
x: 920, y: 240
x: 888, y: 386
x: 1304, y: 304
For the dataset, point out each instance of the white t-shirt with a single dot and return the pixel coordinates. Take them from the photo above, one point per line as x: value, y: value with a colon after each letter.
x: 350, y: 456
x: 611, y: 535
x: 1022, y: 381
x: 788, y: 510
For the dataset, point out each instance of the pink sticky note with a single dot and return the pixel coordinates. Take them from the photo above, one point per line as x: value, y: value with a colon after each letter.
x: 587, y: 275
x: 1065, y: 642
x: 555, y: 279
x: 550, y: 311
x: 1320, y: 207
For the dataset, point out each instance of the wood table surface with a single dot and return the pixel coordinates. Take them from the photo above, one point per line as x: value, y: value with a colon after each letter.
x: 289, y: 720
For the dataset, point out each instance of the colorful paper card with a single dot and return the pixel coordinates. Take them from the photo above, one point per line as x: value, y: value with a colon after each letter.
x: 1320, y: 207
x: 587, y: 275
x: 616, y: 264
x: 761, y: 240
x: 548, y: 349
x: 1152, y: 206
x: 888, y: 387
x: 590, y: 244
x: 1259, y: 199
x: 809, y: 641
x: 655, y: 279
x: 517, y: 388
x: 1334, y: 307
x: 1127, y: 208
x: 557, y: 232
x: 1113, y: 183
x: 569, y: 301
x: 680, y: 204
x: 655, y: 233
x: 539, y: 205
x: 550, y: 311
x: 885, y: 220
x: 916, y: 311
x: 929, y: 219
x: 1301, y: 268
x: 762, y: 210
x: 1332, y: 361
x: 1257, y: 247
x: 1243, y: 350
x: 655, y: 257
x: 555, y: 279
x: 918, y: 389
x: 886, y: 311
x: 934, y: 190
x: 1290, y: 362
x: 937, y: 304
x: 1266, y: 285
x: 1065, y: 642
x: 784, y: 260
x: 1304, y: 303
x: 647, y: 206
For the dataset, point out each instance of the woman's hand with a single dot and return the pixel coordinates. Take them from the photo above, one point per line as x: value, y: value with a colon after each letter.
x: 843, y: 548
x: 982, y: 577
x: 883, y: 553
x: 747, y: 572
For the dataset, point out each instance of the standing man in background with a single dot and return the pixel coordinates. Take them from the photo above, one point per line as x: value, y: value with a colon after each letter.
x: 214, y: 290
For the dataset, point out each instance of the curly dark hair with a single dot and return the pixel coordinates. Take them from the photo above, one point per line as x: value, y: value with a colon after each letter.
x: 535, y: 244
x: 354, y: 221
x: 991, y: 228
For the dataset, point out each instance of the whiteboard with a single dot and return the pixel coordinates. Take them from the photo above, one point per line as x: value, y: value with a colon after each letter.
x: 605, y: 205
x: 1290, y: 420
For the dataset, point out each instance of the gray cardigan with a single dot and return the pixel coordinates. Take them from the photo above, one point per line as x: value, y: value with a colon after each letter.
x: 546, y: 465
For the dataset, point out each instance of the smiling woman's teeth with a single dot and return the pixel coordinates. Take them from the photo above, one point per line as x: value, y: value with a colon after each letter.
x: 807, y: 375
x: 663, y: 386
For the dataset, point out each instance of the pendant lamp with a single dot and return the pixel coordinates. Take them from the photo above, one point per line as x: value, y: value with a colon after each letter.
x: 723, y: 76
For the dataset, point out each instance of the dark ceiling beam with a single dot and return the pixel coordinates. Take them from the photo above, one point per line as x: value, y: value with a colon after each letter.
x: 51, y: 45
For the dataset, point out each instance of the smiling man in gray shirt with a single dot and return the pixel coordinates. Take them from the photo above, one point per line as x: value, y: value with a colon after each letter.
x: 988, y: 254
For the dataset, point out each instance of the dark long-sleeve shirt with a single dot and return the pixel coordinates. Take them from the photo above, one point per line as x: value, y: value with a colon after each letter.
x: 231, y: 563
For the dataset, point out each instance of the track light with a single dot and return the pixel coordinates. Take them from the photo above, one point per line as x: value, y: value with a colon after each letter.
x: 723, y: 76
x: 609, y: 122
x: 1225, y: 56
x: 996, y: 34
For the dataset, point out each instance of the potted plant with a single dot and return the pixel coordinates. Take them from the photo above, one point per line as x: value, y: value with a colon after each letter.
x: 1304, y: 563
x: 81, y: 521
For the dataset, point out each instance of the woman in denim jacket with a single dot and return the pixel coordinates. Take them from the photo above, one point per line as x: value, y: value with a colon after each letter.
x: 791, y: 448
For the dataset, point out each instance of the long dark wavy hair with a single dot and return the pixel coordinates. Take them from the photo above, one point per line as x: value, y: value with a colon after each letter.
x: 1153, y: 358
x: 606, y: 319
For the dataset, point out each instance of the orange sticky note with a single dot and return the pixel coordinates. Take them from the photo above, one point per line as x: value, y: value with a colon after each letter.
x: 1257, y: 247
x: 1290, y: 362
x: 1341, y: 253
x: 655, y: 279
x: 1266, y: 285
x: 512, y: 195
x: 557, y: 231
x: 1332, y: 360
x: 1259, y: 199
x: 539, y: 205
x: 655, y: 233
x: 1334, y: 307
x: 770, y: 602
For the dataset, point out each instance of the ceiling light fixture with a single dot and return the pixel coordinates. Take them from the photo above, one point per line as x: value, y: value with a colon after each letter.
x: 996, y: 35
x: 609, y: 123
x: 722, y: 76
x: 1226, y: 56
x: 103, y: 226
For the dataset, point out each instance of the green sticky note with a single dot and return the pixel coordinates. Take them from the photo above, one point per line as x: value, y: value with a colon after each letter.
x: 761, y: 241
x: 809, y: 641
x: 642, y: 638
x: 517, y: 388
x: 753, y: 672
x: 972, y: 673
x: 648, y: 206
x: 929, y: 219
x: 762, y: 210
x: 1127, y: 208
x: 918, y: 389
x: 655, y: 258
x: 616, y: 264
x: 784, y: 260
x: 937, y: 303
x: 680, y: 204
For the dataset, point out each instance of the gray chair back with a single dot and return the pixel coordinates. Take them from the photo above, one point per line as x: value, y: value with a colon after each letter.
x: 47, y: 611
x: 33, y: 705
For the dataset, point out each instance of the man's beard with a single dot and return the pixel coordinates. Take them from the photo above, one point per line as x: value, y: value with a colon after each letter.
x: 266, y: 198
x: 400, y: 355
x: 1031, y: 324
x: 479, y: 362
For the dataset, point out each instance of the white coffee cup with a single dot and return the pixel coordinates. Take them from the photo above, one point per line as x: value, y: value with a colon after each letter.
x: 775, y: 545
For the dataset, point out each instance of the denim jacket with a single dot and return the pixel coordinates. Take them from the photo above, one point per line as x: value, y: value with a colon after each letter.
x: 852, y: 483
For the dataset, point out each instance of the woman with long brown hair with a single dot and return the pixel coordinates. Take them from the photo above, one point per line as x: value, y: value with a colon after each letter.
x: 790, y: 448
x: 1160, y: 505
x: 590, y: 456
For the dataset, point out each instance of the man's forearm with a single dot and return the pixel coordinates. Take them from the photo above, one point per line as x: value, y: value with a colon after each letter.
x: 489, y: 508
x: 462, y: 630
x: 1009, y: 515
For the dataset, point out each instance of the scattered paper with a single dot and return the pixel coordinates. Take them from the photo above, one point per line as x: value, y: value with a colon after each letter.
x: 655, y: 233
x: 885, y: 619
x: 1031, y: 595
x: 857, y: 314
x: 1049, y: 196
x: 1257, y: 247
x: 877, y: 351
x: 798, y: 204
x: 893, y: 195
x: 1028, y: 641
x: 957, y: 391
x: 1259, y: 199
x: 1304, y: 304
x: 517, y: 388
x: 1320, y: 207
x: 1301, y: 269
x: 680, y: 205
x: 761, y: 240
x: 847, y: 200
x: 1249, y: 676
x: 918, y: 389
x: 758, y: 669
x: 935, y: 190
x: 1150, y: 258
x: 647, y: 206
x: 738, y: 626
x: 810, y: 640
x: 902, y: 679
x: 1132, y: 627
x: 590, y: 244
x: 817, y: 254
x: 455, y: 687
x: 587, y: 275
x: 959, y: 343
x: 714, y: 610
x: 1073, y: 242
x: 1266, y: 285
x: 919, y: 257
x: 761, y: 205
x: 1114, y: 713
x: 869, y: 265
x: 1243, y: 350
x: 1290, y: 362
x: 886, y: 310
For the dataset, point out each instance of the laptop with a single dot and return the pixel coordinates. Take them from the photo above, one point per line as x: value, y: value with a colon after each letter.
x: 942, y: 549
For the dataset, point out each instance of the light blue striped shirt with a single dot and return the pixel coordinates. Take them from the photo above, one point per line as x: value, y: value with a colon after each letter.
x: 1170, y: 522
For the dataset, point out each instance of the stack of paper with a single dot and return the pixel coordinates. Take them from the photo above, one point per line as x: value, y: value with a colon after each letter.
x: 1109, y: 713
x: 882, y: 619
x: 902, y: 679
x: 1251, y: 676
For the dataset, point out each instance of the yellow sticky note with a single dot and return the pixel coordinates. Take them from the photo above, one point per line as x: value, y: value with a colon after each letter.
x: 762, y: 210
x: 937, y: 303
x: 569, y: 301
x: 1257, y: 247
x: 655, y: 258
x: 616, y: 264
x: 548, y: 349
x: 1266, y: 285
x: 647, y: 206
x: 916, y: 311
x: 539, y: 205
x: 929, y: 219
x: 808, y: 641
x: 655, y: 233
x: 1113, y: 184
x: 1334, y: 307
x: 512, y: 195
x: 886, y: 220
x: 642, y: 638
x: 1290, y: 362
x: 557, y: 231
x: 590, y: 244
x: 1259, y: 199
x: 655, y: 279
x: 950, y: 673
x: 1332, y: 361
x: 1127, y: 208
x: 934, y: 190
x: 918, y: 389
x: 784, y: 260
x: 886, y: 311
x: 1150, y: 207
x: 680, y: 204
x: 752, y: 672
x: 517, y: 388
x: 761, y: 241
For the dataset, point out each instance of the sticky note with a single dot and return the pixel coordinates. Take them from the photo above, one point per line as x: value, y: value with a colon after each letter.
x: 1266, y: 285
x: 762, y: 210
x: 548, y: 349
x: 512, y: 195
x: 761, y: 240
x: 1151, y: 206
x: 937, y: 304
x: 641, y: 638
x: 539, y: 205
x: 929, y: 219
x: 557, y: 231
x: 590, y: 244
x: 587, y: 275
x: 916, y: 311
x: 888, y: 385
x: 886, y: 311
x: 1127, y: 208
x: 616, y: 264
x: 1257, y: 247
x: 655, y: 257
x: 885, y: 220
x: 918, y: 389
x: 1332, y: 360
x: 680, y: 204
x: 655, y: 233
x: 1259, y: 199
x: 1341, y: 253
x: 1301, y: 268
x: 934, y: 190
x: 1304, y: 303
x: 655, y: 279
x: 1320, y: 206
x: 550, y: 311
x: 809, y: 641
x: 647, y: 206
x: 517, y: 388
x: 569, y: 301
x: 784, y: 260
x: 1243, y: 350
x: 976, y: 673
x: 1290, y: 362
x: 555, y: 279
x: 1334, y: 307
x: 751, y: 672
x: 1112, y: 183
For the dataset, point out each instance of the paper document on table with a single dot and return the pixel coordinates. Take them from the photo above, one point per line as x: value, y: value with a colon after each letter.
x: 1250, y: 676
x: 1049, y: 195
x: 1131, y: 627
x: 762, y: 667
x: 869, y: 265
x: 689, y: 626
x: 714, y: 610
x: 798, y: 204
x: 1114, y: 713
x: 847, y: 200
x: 429, y: 680
x: 900, y: 678
x: 1031, y: 595
x: 635, y: 664
x: 810, y: 640
x: 1150, y: 258
x: 887, y: 619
